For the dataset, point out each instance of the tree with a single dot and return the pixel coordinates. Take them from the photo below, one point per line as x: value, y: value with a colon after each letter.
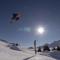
x: 54, y: 49
x: 39, y: 49
x: 58, y: 48
x: 17, y: 44
x: 46, y: 48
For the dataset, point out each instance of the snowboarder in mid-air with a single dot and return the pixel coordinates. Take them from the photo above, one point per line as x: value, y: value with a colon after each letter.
x: 15, y: 17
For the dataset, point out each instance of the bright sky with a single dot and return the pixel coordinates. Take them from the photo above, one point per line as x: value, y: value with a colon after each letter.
x: 36, y: 13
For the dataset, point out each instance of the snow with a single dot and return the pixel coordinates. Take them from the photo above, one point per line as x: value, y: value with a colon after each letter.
x: 40, y: 57
x: 25, y: 54
x: 55, y: 54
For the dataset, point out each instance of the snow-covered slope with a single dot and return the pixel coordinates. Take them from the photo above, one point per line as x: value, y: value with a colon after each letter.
x: 3, y: 44
x: 55, y: 43
x: 40, y: 57
x: 25, y: 54
x: 8, y: 54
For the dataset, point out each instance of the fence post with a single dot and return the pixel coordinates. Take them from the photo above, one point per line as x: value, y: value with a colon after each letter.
x: 35, y: 46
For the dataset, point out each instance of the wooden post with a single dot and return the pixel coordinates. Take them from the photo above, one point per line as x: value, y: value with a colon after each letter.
x: 35, y: 46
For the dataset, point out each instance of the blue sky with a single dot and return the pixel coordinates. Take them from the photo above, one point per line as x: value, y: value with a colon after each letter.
x: 35, y: 13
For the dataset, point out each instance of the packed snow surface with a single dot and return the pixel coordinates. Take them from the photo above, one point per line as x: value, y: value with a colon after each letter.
x: 25, y: 54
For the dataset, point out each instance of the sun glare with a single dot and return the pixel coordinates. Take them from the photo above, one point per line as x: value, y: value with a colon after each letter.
x: 40, y: 30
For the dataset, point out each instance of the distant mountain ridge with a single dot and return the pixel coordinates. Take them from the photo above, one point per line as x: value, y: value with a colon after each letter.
x: 4, y: 41
x: 55, y: 43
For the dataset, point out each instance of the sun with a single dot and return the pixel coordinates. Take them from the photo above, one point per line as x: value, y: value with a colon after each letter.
x: 40, y: 30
